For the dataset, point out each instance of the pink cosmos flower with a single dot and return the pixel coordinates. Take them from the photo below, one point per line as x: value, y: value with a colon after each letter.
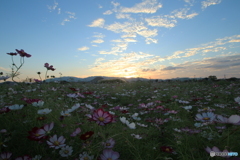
x: 36, y: 134
x: 215, y: 149
x: 47, y: 127
x: 109, y: 154
x: 76, y: 132
x: 5, y: 155
x: 109, y: 143
x: 12, y: 54
x: 49, y: 67
x: 36, y: 80
x: 55, y: 142
x: 26, y: 157
x: 233, y: 119
x: 22, y: 53
x: 102, y: 117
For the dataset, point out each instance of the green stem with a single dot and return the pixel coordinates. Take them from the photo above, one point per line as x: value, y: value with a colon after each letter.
x: 14, y: 74
x: 46, y: 74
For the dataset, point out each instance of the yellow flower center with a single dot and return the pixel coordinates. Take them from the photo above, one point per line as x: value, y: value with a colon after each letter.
x: 205, y: 109
x: 206, y: 118
x: 167, y: 149
x: 108, y: 144
x: 56, y: 143
x: 101, y: 119
x: 85, y: 158
x: 37, y: 135
x: 109, y: 159
x: 66, y: 151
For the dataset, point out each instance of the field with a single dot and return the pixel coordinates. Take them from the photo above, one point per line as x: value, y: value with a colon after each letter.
x: 129, y: 121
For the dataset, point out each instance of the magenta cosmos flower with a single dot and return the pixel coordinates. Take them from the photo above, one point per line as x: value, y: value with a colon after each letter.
x: 109, y: 154
x: 22, y: 53
x: 102, y: 117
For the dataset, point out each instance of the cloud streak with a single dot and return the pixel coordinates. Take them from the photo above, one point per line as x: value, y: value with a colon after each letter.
x: 208, y: 3
x: 97, y: 23
x: 83, y: 48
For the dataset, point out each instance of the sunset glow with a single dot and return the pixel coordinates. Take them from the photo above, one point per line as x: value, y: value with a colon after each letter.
x: 137, y: 38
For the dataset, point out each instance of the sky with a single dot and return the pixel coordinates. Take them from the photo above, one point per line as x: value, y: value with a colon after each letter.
x: 155, y: 39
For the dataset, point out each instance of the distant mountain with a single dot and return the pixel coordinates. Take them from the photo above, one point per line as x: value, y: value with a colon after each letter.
x: 75, y: 79
x: 88, y: 79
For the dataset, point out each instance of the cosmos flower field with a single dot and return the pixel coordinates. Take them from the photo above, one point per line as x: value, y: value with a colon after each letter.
x: 129, y: 121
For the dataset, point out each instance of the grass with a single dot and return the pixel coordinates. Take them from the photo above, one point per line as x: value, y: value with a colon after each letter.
x: 168, y: 132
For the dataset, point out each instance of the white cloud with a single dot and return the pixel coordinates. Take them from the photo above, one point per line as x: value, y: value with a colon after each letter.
x: 182, y: 13
x: 148, y: 33
x: 51, y: 8
x: 190, y: 2
x: 235, y: 40
x: 147, y: 6
x: 205, y: 48
x: 97, y: 61
x: 118, y: 48
x: 99, y: 6
x: 64, y: 21
x: 116, y: 40
x: 123, y: 16
x: 5, y: 69
x: 129, y: 35
x: 130, y: 40
x: 108, y: 12
x: 97, y: 41
x: 161, y: 21
x: 83, y: 48
x: 118, y: 27
x: 71, y: 15
x: 97, y: 23
x: 59, y: 10
x: 216, y: 49
x: 208, y: 3
x: 151, y: 40
x: 98, y: 35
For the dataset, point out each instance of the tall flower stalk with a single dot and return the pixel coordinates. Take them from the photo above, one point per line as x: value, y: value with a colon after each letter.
x: 23, y: 54
x: 39, y: 75
x: 48, y: 68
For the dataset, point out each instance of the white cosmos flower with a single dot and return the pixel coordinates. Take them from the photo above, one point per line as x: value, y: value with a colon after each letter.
x: 111, y: 112
x: 136, y: 136
x: 44, y: 111
x: 187, y: 107
x: 89, y: 106
x: 237, y: 100
x: 142, y: 125
x: 76, y: 106
x: 65, y: 113
x: 66, y: 151
x: 135, y: 115
x: 136, y: 118
x: 16, y: 107
x: 38, y: 104
x: 131, y: 125
x: 37, y: 157
x: 84, y: 156
x: 123, y: 120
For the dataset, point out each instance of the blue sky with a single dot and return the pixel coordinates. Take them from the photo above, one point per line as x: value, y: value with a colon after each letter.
x: 149, y: 38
